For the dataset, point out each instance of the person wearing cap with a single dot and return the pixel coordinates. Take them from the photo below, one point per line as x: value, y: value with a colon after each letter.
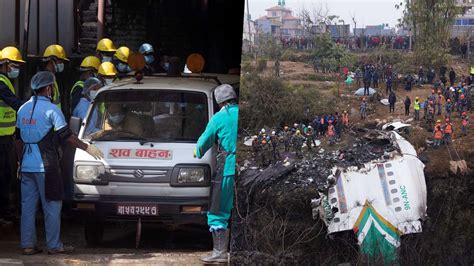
x: 91, y: 86
x: 10, y: 62
x: 448, y: 131
x: 152, y: 62
x: 107, y: 73
x: 105, y: 50
x: 222, y: 128
x: 88, y: 68
x: 437, y: 134
x: 54, y: 57
x: 121, y: 61
x: 40, y: 124
x: 416, y: 107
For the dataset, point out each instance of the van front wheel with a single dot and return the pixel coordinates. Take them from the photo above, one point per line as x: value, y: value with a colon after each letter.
x: 94, y: 233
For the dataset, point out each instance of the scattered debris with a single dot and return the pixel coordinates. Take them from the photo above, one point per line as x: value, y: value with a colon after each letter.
x: 383, y: 200
x: 360, y: 92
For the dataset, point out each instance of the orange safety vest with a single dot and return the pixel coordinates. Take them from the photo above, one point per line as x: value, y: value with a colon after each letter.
x: 345, y: 118
x: 438, y: 134
x: 448, y: 129
x: 331, y: 130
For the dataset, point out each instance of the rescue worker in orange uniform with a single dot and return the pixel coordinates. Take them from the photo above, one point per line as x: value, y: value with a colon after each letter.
x: 448, y: 132
x: 331, y: 133
x: 437, y: 134
x: 345, y: 119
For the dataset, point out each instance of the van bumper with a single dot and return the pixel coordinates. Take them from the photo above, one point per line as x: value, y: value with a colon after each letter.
x: 171, y: 210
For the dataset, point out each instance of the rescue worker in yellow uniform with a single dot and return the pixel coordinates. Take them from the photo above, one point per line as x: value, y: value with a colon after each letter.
x: 54, y: 57
x: 107, y: 73
x: 121, y: 61
x: 88, y: 68
x: 10, y: 62
x: 105, y: 50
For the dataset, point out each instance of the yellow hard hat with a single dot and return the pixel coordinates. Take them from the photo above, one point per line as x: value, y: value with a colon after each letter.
x: 122, y: 54
x: 0, y: 54
x: 12, y: 54
x: 107, y: 69
x: 472, y: 70
x: 91, y: 62
x: 55, y: 50
x: 106, y: 45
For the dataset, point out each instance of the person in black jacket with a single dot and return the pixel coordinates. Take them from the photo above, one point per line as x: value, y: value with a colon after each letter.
x: 452, y: 76
x: 392, y: 99
x: 407, y: 105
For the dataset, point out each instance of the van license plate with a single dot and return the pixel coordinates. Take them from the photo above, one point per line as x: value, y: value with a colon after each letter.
x: 140, y: 209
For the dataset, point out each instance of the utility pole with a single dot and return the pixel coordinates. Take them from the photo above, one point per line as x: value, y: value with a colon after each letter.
x: 250, y: 31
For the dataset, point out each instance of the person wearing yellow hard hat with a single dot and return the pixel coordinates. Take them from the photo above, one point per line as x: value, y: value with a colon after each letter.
x: 54, y: 57
x: 10, y: 62
x: 105, y: 50
x: 107, y: 73
x: 121, y: 61
x: 88, y: 68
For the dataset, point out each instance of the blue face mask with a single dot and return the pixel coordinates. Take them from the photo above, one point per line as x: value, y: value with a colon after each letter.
x: 106, y: 58
x: 149, y: 59
x: 59, y: 67
x: 123, y: 68
x: 13, y: 73
x: 116, y: 118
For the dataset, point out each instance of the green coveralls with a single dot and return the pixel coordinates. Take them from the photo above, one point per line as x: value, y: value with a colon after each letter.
x: 223, y: 126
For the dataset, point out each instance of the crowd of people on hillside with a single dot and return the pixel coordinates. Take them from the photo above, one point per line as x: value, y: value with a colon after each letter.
x: 268, y: 147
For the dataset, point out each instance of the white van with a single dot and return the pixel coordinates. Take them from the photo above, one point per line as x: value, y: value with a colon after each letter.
x: 148, y: 132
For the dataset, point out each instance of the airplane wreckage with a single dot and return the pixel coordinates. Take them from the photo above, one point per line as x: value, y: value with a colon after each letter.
x: 381, y: 201
x: 376, y: 188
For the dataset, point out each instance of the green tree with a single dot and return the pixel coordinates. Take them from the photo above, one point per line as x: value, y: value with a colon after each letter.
x: 430, y: 22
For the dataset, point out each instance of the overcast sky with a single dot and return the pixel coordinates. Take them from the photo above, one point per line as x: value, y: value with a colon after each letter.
x: 369, y: 12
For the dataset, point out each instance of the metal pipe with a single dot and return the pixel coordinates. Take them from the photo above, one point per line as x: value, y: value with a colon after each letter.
x: 25, y: 27
x: 100, y: 19
x: 17, y: 22
x: 57, y: 21
x: 38, y: 27
x: 25, y: 40
x: 76, y: 16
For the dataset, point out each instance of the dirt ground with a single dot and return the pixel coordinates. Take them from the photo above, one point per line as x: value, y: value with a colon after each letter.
x: 158, y: 246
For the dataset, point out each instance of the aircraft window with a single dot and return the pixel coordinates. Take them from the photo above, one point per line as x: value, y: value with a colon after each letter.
x: 396, y: 199
x: 336, y: 220
x: 388, y: 165
x: 333, y: 200
x: 389, y: 173
x: 394, y: 190
x: 331, y: 190
x: 391, y: 182
x: 397, y: 209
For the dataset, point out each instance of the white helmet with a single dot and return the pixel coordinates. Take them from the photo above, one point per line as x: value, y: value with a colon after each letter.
x: 273, y: 132
x: 310, y: 127
x: 262, y: 130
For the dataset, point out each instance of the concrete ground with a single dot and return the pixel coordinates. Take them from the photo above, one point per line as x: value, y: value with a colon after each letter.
x: 158, y: 246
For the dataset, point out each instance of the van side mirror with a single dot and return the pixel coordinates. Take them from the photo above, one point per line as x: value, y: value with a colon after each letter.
x: 75, y: 124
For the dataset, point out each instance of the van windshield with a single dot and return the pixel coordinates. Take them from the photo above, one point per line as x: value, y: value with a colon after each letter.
x: 148, y: 115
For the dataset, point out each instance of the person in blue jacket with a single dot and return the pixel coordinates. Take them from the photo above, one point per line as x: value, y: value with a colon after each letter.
x: 222, y: 128
x: 40, y: 125
x: 91, y: 86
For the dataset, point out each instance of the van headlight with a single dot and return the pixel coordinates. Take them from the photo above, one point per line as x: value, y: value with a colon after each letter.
x: 88, y: 173
x: 191, y: 176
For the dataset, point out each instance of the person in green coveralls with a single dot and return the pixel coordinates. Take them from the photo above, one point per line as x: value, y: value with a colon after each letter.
x: 222, y: 128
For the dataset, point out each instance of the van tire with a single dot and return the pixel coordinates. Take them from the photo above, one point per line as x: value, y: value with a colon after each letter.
x: 94, y: 233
